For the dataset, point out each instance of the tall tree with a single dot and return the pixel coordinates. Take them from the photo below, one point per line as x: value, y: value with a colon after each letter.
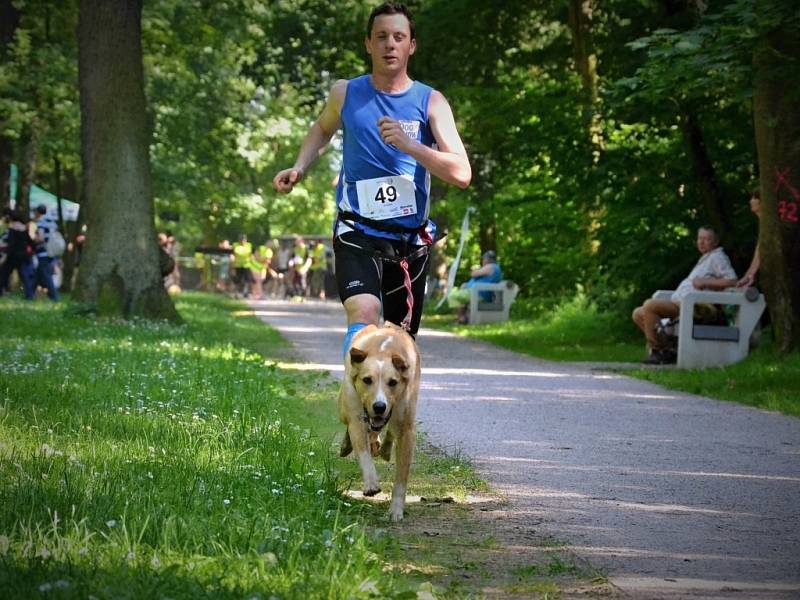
x: 777, y: 127
x: 119, y: 272
x: 9, y: 20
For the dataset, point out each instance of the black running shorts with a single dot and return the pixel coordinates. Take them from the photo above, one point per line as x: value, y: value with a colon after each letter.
x: 359, y: 272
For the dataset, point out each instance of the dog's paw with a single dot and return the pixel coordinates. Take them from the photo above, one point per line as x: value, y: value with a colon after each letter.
x: 395, y: 513
x: 347, y: 446
x: 371, y: 490
x: 386, y: 450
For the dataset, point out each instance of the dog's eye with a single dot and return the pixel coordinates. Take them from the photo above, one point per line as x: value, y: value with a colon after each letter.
x: 367, y: 380
x: 392, y: 382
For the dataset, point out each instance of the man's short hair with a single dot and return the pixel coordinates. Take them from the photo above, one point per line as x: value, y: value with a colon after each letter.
x: 41, y: 209
x: 756, y: 192
x: 713, y: 231
x: 391, y: 8
x: 490, y: 255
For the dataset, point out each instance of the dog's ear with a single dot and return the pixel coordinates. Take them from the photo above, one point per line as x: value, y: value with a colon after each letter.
x: 399, y: 363
x: 357, y: 356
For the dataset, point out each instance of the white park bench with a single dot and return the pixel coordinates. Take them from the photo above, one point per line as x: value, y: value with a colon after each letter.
x: 483, y: 310
x: 701, y: 346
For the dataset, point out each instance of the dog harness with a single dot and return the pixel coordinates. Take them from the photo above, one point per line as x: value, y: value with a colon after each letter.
x: 349, y: 218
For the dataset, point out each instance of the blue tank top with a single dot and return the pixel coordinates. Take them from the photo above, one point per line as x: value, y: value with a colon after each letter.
x: 367, y: 156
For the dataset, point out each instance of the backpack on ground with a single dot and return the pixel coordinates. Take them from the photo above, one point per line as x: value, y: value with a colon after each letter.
x: 55, y: 245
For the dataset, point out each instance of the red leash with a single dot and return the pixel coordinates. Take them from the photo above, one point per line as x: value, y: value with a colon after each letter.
x: 406, y: 324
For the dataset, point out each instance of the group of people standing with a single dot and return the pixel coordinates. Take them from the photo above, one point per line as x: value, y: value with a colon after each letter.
x: 32, y: 249
x: 273, y: 269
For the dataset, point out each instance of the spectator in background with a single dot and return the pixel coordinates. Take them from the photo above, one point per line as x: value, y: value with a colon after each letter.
x: 317, y: 271
x: 713, y: 271
x: 282, y: 267
x: 298, y: 267
x: 173, y: 248
x: 45, y: 227
x: 749, y: 278
x: 224, y: 266
x: 18, y: 251
x: 488, y: 272
x: 242, y: 256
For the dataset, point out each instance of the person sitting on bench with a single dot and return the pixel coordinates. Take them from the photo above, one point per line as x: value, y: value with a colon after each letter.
x: 713, y: 271
x: 488, y: 272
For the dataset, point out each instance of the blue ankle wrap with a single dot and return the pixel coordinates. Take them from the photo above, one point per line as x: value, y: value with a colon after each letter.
x: 352, y: 330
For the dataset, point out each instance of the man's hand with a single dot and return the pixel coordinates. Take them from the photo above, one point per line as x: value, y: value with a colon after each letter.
x: 699, y: 283
x: 285, y: 180
x: 392, y: 133
x: 745, y: 281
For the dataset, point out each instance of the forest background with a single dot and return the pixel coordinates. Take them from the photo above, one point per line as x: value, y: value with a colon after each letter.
x: 601, y: 134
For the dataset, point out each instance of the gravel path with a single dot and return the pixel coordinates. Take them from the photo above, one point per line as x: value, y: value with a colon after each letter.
x: 672, y: 495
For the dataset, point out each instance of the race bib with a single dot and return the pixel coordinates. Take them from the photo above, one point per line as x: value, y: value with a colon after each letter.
x: 386, y: 197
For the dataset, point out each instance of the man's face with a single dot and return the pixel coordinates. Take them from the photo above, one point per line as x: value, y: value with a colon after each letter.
x: 390, y: 44
x: 755, y: 205
x: 705, y: 241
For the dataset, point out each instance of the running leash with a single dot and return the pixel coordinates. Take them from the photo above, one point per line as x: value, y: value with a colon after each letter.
x: 406, y: 324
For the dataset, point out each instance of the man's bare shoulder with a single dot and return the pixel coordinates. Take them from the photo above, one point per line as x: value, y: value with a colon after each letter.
x: 338, y: 92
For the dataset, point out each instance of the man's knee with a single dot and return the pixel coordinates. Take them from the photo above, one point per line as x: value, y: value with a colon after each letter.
x: 363, y: 308
x: 638, y: 315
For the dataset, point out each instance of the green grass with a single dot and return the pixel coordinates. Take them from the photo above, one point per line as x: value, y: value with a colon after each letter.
x: 576, y: 331
x: 147, y: 460
x: 764, y: 379
x: 572, y: 331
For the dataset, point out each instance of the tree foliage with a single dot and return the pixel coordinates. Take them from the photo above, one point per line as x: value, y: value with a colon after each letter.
x: 596, y: 188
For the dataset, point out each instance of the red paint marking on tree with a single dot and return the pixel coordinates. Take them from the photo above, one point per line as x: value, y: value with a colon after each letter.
x: 787, y: 206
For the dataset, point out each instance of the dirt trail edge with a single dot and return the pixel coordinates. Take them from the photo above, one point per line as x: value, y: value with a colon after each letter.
x: 671, y: 495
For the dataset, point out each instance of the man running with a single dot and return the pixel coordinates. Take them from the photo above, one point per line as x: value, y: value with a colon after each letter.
x: 396, y: 132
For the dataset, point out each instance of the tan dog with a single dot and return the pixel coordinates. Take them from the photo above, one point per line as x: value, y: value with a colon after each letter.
x: 380, y: 387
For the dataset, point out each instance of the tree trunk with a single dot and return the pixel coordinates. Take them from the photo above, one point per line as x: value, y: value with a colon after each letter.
x: 119, y: 272
x: 6, y: 153
x: 777, y: 128
x: 580, y: 24
x: 581, y: 13
x: 9, y: 19
x: 71, y: 230
x: 26, y: 166
x: 714, y: 201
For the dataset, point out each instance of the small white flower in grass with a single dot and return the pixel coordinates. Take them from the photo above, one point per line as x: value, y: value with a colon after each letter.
x: 226, y: 502
x: 46, y: 587
x: 149, y: 474
x: 83, y: 551
x: 369, y: 586
x: 131, y: 555
x: 312, y: 453
x: 43, y: 553
x: 111, y: 523
x: 154, y: 562
x: 62, y: 584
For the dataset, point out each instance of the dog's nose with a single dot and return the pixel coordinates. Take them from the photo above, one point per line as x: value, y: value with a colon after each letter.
x: 379, y: 408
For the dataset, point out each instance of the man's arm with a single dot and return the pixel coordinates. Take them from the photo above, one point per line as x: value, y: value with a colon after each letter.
x: 723, y: 275
x: 315, y: 141
x: 750, y: 275
x: 482, y: 271
x: 449, y: 161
